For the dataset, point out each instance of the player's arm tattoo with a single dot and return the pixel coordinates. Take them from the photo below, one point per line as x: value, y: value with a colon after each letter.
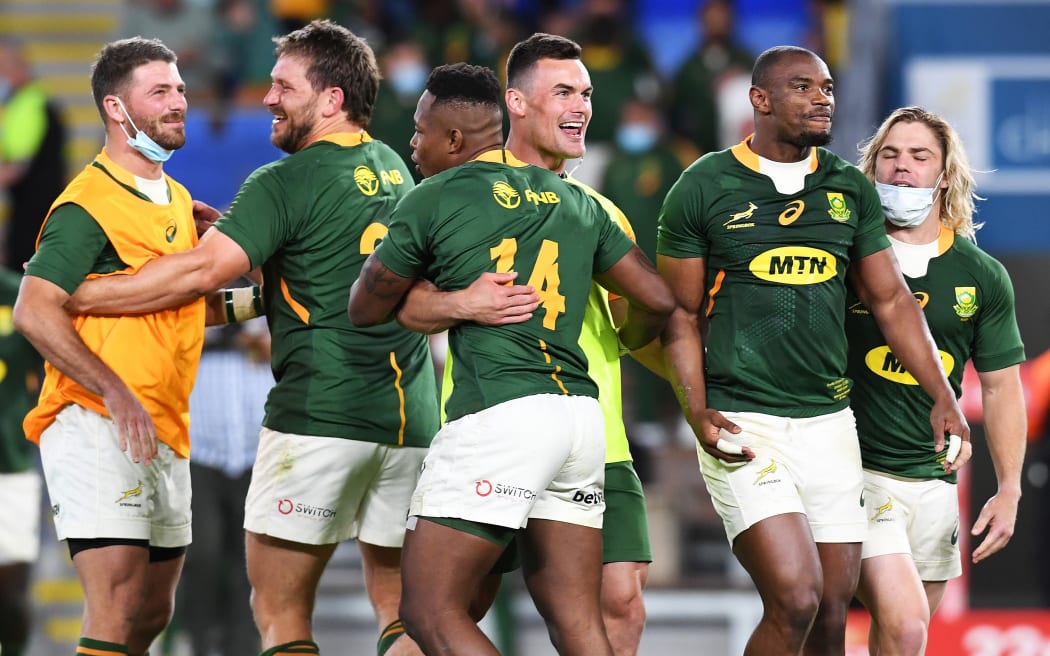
x: 381, y: 281
x: 643, y: 259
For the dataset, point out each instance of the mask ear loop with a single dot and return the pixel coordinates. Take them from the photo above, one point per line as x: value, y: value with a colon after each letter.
x: 127, y: 116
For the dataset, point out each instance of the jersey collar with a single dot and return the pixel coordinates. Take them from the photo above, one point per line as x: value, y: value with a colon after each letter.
x: 945, y: 239
x: 743, y: 154
x: 500, y: 156
x: 347, y: 139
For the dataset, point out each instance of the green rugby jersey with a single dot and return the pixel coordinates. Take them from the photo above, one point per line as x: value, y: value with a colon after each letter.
x: 19, y: 381
x: 310, y: 220
x: 499, y: 214
x: 968, y: 301
x: 775, y: 275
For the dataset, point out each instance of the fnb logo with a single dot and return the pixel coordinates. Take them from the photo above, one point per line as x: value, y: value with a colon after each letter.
x: 594, y: 498
x: 885, y: 364
x: 795, y: 265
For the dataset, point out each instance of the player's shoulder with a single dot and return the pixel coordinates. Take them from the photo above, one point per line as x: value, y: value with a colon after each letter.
x: 973, y: 258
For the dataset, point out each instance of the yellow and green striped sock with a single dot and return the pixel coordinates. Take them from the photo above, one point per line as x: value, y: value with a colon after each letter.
x: 89, y: 647
x: 389, y: 636
x: 293, y: 648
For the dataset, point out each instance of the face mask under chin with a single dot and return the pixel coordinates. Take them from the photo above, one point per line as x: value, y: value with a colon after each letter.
x: 907, y: 207
x: 142, y: 142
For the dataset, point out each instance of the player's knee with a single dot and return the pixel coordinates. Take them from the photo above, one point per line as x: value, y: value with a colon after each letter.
x: 795, y: 607
x: 414, y: 616
x: 623, y: 605
x: 907, y: 633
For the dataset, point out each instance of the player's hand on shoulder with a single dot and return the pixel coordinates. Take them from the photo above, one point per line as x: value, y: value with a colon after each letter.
x: 204, y: 216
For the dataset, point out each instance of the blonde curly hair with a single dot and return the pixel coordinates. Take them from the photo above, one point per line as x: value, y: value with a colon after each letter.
x: 957, y: 201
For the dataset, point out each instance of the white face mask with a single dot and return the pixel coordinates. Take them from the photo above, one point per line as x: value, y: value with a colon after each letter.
x: 907, y: 207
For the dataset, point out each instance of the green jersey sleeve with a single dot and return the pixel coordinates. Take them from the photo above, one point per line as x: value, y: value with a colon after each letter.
x: 680, y: 232
x: 997, y: 342
x: 871, y: 227
x: 260, y: 219
x: 404, y: 249
x: 71, y: 246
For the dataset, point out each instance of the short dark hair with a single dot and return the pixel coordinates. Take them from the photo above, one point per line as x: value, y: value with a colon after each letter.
x: 115, y: 63
x: 524, y: 55
x: 769, y: 58
x: 336, y: 57
x: 464, y: 83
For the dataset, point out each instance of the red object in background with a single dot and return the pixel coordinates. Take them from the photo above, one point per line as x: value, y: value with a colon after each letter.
x: 1021, y: 632
x: 1035, y: 379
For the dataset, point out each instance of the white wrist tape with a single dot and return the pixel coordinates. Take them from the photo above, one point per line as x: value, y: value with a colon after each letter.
x: 243, y: 303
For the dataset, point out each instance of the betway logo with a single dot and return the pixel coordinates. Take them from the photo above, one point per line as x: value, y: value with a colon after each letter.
x: 884, y: 363
x: 795, y: 265
x: 589, y: 498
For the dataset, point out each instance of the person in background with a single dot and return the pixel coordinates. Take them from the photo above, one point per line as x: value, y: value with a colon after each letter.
x: 694, y: 105
x: 640, y: 172
x: 919, y: 166
x: 405, y: 70
x: 32, y: 153
x: 226, y: 411
x: 757, y: 242
x: 20, y: 485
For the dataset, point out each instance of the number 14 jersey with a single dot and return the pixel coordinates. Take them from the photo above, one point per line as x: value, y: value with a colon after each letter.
x: 499, y: 214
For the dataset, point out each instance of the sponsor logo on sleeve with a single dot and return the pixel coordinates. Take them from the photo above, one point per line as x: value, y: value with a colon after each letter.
x: 366, y: 180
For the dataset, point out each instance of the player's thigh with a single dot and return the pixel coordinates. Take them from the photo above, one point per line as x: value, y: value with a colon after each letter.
x: 20, y: 517
x: 384, y: 504
x: 491, y: 466
x: 625, y: 526
x: 780, y: 555
x: 284, y: 573
x: 309, y: 489
x: 891, y: 590
x: 575, y: 494
x: 934, y: 534
x: 747, y: 493
x: 825, y: 454
x: 97, y: 491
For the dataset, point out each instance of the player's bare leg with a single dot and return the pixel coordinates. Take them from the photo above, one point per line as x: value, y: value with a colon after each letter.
x: 436, y: 602
x: 623, y: 606
x: 161, y: 580
x: 840, y: 564
x: 382, y: 572
x: 783, y: 561
x: 562, y: 564
x: 893, y: 594
x: 284, y: 577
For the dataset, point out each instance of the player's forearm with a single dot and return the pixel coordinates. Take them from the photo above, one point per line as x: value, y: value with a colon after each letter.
x: 1006, y: 426
x: 427, y: 309
x: 167, y: 282
x: 48, y: 328
x: 904, y: 326
x: 684, y: 363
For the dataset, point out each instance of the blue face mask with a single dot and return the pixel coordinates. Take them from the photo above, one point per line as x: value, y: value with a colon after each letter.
x: 636, y: 138
x: 408, y: 80
x: 141, y: 142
